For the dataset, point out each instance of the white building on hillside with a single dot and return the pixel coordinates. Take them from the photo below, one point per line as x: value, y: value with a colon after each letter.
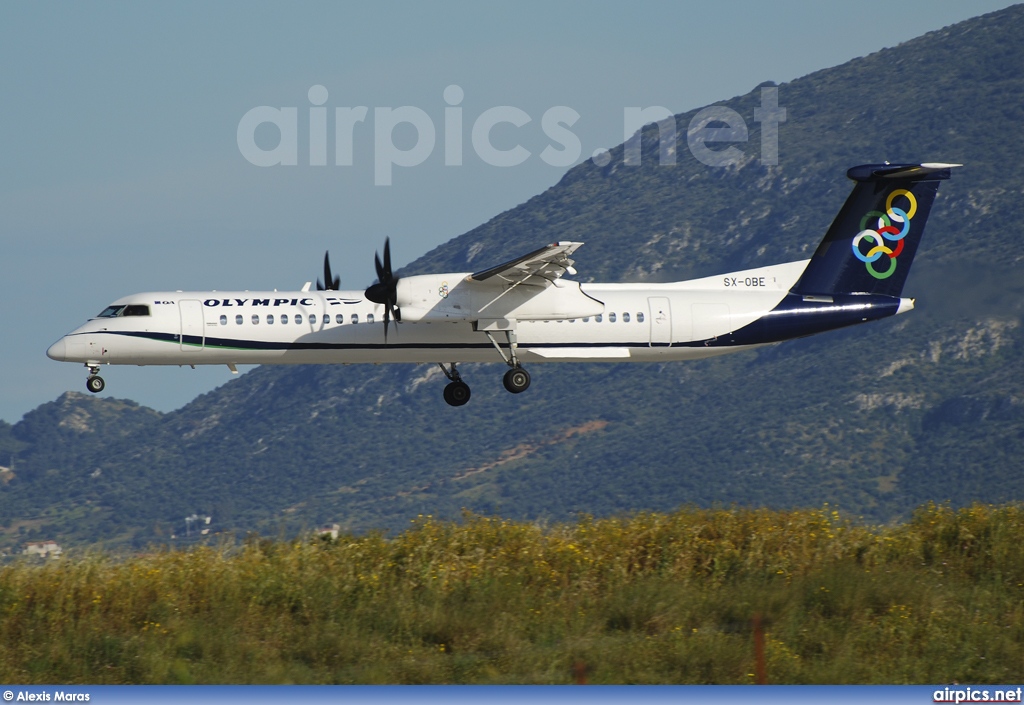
x: 44, y: 549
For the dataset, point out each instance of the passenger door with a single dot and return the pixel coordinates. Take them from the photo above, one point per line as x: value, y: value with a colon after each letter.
x: 192, y: 336
x: 661, y: 321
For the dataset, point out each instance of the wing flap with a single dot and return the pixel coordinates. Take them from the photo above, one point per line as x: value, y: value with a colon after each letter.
x: 539, y: 267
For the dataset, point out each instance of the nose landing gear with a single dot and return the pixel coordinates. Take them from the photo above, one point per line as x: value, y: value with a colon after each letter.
x: 94, y: 383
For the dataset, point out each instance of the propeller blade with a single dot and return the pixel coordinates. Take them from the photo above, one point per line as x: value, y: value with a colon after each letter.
x: 385, y: 290
x: 333, y: 283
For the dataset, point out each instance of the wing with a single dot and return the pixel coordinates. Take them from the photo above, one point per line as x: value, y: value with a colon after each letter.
x: 539, y: 267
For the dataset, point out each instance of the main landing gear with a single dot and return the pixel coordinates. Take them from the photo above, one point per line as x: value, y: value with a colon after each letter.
x: 516, y: 380
x: 94, y: 383
x: 456, y: 392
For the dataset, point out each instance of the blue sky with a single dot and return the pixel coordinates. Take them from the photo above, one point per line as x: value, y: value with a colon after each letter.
x: 122, y: 171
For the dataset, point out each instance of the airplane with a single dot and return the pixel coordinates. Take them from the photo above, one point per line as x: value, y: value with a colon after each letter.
x: 527, y: 311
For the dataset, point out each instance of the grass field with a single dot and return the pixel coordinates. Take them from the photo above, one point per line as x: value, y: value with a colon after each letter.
x: 651, y: 598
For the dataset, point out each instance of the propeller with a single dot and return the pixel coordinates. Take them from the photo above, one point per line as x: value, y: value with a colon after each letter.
x: 385, y: 291
x: 333, y: 283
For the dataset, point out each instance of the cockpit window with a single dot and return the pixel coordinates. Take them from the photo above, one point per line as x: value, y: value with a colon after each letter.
x: 123, y: 310
x: 110, y: 312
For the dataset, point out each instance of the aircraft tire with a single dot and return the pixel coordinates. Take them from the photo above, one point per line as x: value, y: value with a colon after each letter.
x: 456, y: 393
x: 516, y: 380
x: 95, y: 384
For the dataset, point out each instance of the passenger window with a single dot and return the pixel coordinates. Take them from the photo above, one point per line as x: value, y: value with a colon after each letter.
x: 270, y: 319
x: 355, y: 318
x: 327, y: 318
x: 640, y: 317
x: 238, y: 320
x: 625, y: 317
x: 369, y: 318
x: 223, y: 320
x: 572, y: 320
x: 611, y: 317
x: 284, y: 318
x: 586, y: 320
x: 339, y: 319
x: 598, y: 318
x: 255, y: 319
x: 136, y: 310
x: 298, y: 318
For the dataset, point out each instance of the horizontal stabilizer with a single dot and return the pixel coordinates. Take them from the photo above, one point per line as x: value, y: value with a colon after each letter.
x: 927, y: 171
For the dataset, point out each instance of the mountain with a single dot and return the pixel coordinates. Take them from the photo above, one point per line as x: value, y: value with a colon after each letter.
x: 876, y: 419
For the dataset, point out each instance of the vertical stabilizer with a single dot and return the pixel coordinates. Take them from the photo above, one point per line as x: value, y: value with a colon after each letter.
x: 872, y: 242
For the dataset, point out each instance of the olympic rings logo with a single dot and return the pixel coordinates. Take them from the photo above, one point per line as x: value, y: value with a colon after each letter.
x: 443, y: 291
x: 885, y: 231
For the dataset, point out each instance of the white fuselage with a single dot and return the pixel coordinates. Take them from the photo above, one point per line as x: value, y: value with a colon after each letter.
x: 623, y: 322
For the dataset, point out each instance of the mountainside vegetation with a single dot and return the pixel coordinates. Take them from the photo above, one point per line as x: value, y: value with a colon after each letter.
x: 877, y: 419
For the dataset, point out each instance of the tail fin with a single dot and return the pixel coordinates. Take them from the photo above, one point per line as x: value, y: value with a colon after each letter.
x: 871, y: 244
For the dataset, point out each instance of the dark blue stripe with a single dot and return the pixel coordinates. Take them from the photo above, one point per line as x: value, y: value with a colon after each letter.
x: 271, y: 345
x: 794, y: 317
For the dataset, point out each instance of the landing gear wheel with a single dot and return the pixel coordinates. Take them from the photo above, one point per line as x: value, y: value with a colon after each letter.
x: 95, y: 384
x: 456, y: 393
x: 516, y: 380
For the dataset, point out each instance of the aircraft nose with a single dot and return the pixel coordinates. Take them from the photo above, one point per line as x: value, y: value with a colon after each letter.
x: 57, y: 351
